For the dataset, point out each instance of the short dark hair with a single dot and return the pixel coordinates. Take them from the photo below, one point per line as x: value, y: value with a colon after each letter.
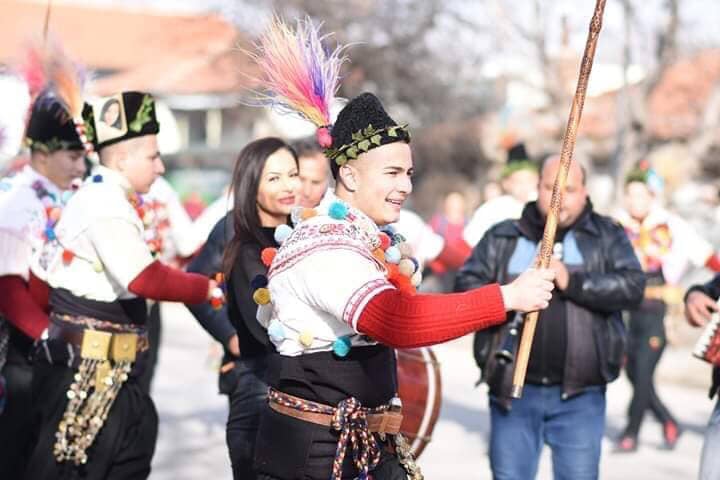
x: 306, y: 147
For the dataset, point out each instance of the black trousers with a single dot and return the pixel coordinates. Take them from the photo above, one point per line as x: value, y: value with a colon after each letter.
x: 247, y: 392
x: 122, y: 450
x: 16, y: 418
x: 389, y: 468
x: 154, y: 331
x: 292, y: 449
x: 646, y: 345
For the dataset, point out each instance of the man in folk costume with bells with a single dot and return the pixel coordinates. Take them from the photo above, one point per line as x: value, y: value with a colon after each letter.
x: 339, y: 294
x: 31, y: 201
x: 95, y: 421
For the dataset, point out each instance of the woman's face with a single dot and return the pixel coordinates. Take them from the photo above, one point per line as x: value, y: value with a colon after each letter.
x: 279, y: 188
x: 111, y: 113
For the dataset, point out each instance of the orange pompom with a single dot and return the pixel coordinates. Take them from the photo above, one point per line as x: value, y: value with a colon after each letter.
x: 403, y: 284
x: 393, y: 271
x: 67, y: 256
x: 268, y: 255
x: 379, y: 254
x: 54, y: 214
x: 307, y: 213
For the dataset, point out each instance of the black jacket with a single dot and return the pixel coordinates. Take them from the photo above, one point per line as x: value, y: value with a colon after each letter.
x: 609, y: 281
x: 209, y: 262
x: 712, y: 290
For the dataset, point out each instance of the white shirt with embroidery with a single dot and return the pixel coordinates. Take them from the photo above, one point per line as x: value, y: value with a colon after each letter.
x: 676, y: 242
x: 320, y: 281
x: 23, y: 219
x: 103, y: 230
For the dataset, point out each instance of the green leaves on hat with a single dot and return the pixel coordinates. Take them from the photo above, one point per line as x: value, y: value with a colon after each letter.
x: 143, y: 116
x: 364, y: 140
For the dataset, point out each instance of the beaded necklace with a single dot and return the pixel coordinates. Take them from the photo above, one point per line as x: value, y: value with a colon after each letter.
x: 387, y: 246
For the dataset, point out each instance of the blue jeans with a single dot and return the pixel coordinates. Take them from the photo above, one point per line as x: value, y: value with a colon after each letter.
x: 710, y: 461
x: 572, y: 428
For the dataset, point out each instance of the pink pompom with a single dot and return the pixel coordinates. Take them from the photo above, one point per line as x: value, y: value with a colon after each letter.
x: 324, y: 138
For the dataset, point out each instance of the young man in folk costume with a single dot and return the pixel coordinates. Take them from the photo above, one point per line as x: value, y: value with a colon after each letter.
x: 519, y: 180
x: 341, y: 291
x: 30, y: 201
x: 95, y: 421
x: 665, y: 244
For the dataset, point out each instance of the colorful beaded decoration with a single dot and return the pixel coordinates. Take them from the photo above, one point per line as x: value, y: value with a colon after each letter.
x: 389, y: 248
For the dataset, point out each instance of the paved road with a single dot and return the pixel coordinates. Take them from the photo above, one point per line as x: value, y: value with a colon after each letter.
x: 192, y: 416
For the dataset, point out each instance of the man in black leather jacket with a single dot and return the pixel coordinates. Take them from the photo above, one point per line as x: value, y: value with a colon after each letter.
x: 579, y: 341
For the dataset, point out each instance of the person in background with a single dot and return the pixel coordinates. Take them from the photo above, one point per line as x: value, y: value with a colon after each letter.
x: 578, y: 345
x: 171, y: 238
x: 519, y: 181
x: 315, y: 177
x: 265, y: 186
x: 700, y: 306
x: 30, y: 200
x: 664, y: 243
x: 450, y: 225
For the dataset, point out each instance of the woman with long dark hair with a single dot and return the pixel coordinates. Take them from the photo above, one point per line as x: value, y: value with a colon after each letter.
x: 265, y: 186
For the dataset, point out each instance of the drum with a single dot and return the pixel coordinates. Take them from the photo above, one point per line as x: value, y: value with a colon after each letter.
x: 420, y: 390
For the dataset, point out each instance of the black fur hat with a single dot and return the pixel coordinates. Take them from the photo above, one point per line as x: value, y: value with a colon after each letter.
x: 120, y: 117
x: 50, y: 127
x: 363, y: 124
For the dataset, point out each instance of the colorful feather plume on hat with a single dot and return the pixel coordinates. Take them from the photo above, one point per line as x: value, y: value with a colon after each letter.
x: 298, y: 74
x: 49, y: 71
x: 52, y: 76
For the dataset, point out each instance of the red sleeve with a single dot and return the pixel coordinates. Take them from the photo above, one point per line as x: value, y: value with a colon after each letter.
x: 19, y: 308
x: 40, y: 292
x: 400, y: 320
x: 713, y: 263
x: 160, y: 282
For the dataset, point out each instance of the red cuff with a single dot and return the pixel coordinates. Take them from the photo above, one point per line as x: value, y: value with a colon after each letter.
x: 399, y: 320
x: 19, y: 308
x: 160, y: 282
x: 713, y: 263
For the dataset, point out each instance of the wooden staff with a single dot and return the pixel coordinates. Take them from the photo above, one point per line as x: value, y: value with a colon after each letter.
x: 46, y: 25
x: 546, y: 248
